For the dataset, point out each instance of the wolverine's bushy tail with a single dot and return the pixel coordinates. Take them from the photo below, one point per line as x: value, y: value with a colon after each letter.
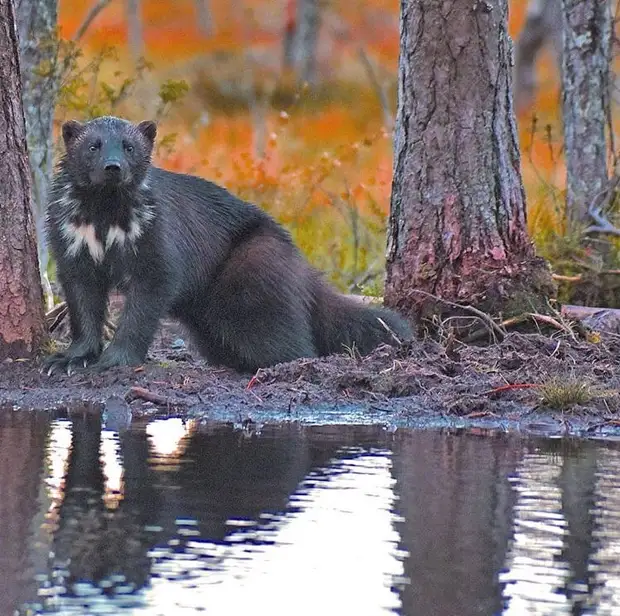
x: 342, y: 323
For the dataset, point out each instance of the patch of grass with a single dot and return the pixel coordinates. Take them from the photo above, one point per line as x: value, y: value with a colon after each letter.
x: 49, y: 346
x: 562, y: 393
x: 352, y: 351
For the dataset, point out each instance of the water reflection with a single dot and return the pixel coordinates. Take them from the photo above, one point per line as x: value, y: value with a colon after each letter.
x: 174, y: 517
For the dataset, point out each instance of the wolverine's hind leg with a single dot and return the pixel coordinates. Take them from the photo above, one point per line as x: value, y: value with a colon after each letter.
x: 258, y: 308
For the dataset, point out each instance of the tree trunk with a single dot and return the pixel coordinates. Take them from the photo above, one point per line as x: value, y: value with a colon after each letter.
x: 457, y: 225
x: 308, y: 23
x: 288, y: 38
x: 543, y: 25
x: 135, y: 30
x: 205, y: 18
x: 36, y: 25
x: 585, y: 99
x: 22, y: 324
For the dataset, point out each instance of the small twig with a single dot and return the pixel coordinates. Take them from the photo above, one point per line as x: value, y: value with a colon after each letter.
x: 389, y: 330
x: 371, y: 274
x: 543, y: 318
x: 388, y: 117
x: 56, y: 310
x: 90, y: 17
x: 56, y: 316
x: 479, y: 415
x: 493, y: 327
x: 254, y: 380
x: 108, y: 333
x: 511, y: 322
x: 562, y: 278
x: 59, y: 312
x: 510, y: 387
x: 601, y: 202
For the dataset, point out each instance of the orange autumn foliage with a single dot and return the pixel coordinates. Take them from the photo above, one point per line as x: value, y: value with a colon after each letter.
x: 324, y: 161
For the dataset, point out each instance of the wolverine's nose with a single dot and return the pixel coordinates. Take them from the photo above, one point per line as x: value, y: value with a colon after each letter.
x: 112, y: 166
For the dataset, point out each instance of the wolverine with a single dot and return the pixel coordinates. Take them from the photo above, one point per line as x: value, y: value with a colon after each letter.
x: 178, y: 245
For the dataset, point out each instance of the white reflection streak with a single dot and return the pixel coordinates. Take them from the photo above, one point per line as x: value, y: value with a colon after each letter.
x: 112, y: 468
x: 166, y: 435
x: 605, y: 561
x: 338, y: 555
x: 534, y: 572
x: 58, y: 455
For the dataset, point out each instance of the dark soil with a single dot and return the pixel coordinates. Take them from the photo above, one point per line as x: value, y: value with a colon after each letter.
x: 508, y: 385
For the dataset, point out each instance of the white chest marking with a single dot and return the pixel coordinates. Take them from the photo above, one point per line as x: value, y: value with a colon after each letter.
x: 115, y: 234
x: 80, y: 236
x: 84, y: 235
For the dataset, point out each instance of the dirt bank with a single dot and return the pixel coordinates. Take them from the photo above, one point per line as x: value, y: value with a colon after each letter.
x: 509, y: 385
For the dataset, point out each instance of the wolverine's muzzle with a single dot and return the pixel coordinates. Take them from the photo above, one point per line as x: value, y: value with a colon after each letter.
x: 111, y: 171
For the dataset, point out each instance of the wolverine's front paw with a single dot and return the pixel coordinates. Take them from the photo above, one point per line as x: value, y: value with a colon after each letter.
x: 69, y: 362
x: 114, y: 356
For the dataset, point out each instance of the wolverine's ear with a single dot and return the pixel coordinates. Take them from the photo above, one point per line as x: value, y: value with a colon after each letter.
x: 71, y: 130
x: 149, y: 130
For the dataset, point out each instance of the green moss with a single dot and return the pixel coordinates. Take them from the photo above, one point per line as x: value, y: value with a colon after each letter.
x: 562, y: 393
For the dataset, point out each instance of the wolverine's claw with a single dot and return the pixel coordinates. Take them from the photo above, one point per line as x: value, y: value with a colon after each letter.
x: 69, y: 363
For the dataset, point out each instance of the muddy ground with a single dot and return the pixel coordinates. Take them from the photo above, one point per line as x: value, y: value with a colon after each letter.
x: 510, y: 385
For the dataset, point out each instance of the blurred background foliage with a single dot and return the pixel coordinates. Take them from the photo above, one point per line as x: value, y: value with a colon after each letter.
x: 317, y: 154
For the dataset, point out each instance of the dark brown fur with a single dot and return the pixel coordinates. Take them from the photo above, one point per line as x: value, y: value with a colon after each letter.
x: 222, y: 266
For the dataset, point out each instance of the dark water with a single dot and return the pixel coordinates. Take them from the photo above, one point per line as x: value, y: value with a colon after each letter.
x: 176, y: 518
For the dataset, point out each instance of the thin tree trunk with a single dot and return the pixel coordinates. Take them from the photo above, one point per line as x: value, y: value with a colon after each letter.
x: 308, y: 23
x: 543, y: 25
x: 135, y: 30
x: 585, y: 97
x: 36, y: 23
x: 205, y: 16
x: 457, y: 225
x: 22, y: 323
x: 288, y: 38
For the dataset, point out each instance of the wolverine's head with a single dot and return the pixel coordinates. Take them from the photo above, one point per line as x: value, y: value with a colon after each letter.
x: 108, y: 151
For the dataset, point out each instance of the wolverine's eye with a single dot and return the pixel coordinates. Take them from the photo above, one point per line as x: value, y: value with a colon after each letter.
x: 128, y: 148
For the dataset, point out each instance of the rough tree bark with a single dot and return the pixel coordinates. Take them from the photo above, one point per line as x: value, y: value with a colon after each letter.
x: 308, y: 23
x: 543, y: 25
x: 22, y: 324
x: 586, y: 67
x: 36, y: 25
x: 457, y: 226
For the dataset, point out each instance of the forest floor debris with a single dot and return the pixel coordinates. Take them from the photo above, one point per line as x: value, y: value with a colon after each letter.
x: 523, y: 381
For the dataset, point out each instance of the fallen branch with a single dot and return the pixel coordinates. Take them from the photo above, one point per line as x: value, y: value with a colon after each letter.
x: 149, y: 396
x: 578, y: 313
